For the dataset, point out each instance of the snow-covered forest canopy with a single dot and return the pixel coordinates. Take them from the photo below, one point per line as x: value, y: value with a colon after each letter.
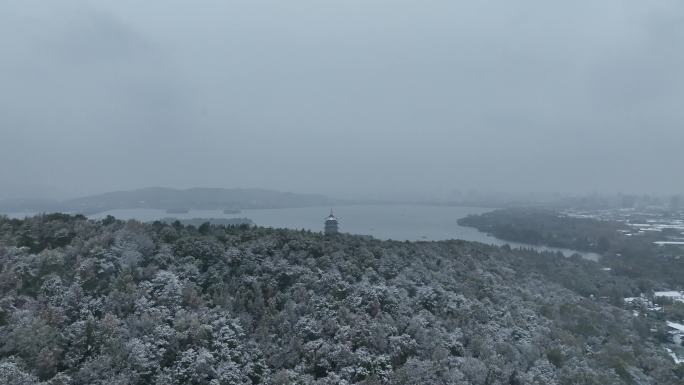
x: 118, y: 303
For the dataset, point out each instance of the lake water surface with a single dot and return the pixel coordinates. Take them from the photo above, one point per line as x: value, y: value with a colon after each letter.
x: 397, y: 222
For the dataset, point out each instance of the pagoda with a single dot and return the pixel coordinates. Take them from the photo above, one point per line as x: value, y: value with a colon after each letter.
x: 331, y: 224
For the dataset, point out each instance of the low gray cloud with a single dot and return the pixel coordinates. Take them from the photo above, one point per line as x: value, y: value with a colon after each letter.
x: 341, y: 97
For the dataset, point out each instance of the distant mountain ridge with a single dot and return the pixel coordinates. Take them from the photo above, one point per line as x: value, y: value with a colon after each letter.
x: 191, y: 199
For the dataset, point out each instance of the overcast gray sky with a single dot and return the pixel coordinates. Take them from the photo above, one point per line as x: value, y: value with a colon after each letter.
x: 342, y: 97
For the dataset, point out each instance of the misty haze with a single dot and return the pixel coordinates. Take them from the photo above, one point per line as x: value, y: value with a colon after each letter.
x: 341, y: 192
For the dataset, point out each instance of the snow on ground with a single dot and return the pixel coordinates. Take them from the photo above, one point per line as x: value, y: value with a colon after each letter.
x: 676, y: 326
x: 672, y: 354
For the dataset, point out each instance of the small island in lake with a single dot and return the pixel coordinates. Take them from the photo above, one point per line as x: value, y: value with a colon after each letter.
x: 177, y: 211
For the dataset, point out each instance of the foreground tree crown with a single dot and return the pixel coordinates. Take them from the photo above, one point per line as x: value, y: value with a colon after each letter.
x: 113, y: 302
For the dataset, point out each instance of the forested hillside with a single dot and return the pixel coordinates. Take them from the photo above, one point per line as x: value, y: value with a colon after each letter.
x: 634, y: 255
x: 112, y: 302
x: 546, y: 227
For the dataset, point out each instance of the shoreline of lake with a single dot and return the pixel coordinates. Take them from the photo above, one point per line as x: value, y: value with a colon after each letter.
x: 397, y: 222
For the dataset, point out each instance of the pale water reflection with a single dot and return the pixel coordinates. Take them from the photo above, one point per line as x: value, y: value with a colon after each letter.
x: 397, y: 222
